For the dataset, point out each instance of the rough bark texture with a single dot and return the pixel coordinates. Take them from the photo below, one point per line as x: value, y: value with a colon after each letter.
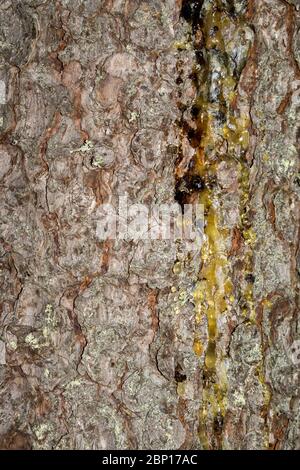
x: 143, y: 345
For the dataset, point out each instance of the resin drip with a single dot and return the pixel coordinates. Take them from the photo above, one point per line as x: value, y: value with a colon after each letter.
x: 221, y: 45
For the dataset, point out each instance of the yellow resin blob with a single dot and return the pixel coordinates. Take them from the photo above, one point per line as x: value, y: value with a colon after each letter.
x: 212, y: 297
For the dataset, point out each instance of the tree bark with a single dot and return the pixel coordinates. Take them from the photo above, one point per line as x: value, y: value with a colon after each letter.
x: 148, y: 344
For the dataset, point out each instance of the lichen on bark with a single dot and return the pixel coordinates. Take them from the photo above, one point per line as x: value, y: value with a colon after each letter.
x: 144, y: 345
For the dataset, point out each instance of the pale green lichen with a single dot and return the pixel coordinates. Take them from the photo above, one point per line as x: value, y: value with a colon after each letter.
x: 46, y: 332
x: 42, y: 430
x: 74, y: 383
x: 254, y: 354
x: 133, y: 116
x: 183, y: 297
x: 49, y: 309
x: 87, y: 146
x: 98, y: 161
x: 50, y: 320
x: 239, y: 399
x: 50, y: 316
x: 32, y: 341
x: 13, y: 345
x: 129, y: 48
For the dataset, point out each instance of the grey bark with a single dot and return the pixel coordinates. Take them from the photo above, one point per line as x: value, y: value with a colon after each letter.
x: 97, y: 339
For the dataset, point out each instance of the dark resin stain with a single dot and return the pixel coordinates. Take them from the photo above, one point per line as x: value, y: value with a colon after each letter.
x: 191, y: 11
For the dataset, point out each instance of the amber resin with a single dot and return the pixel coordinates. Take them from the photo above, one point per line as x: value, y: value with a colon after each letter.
x: 222, y: 135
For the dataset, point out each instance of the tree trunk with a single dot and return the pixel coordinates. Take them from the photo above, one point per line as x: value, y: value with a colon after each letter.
x: 141, y: 343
